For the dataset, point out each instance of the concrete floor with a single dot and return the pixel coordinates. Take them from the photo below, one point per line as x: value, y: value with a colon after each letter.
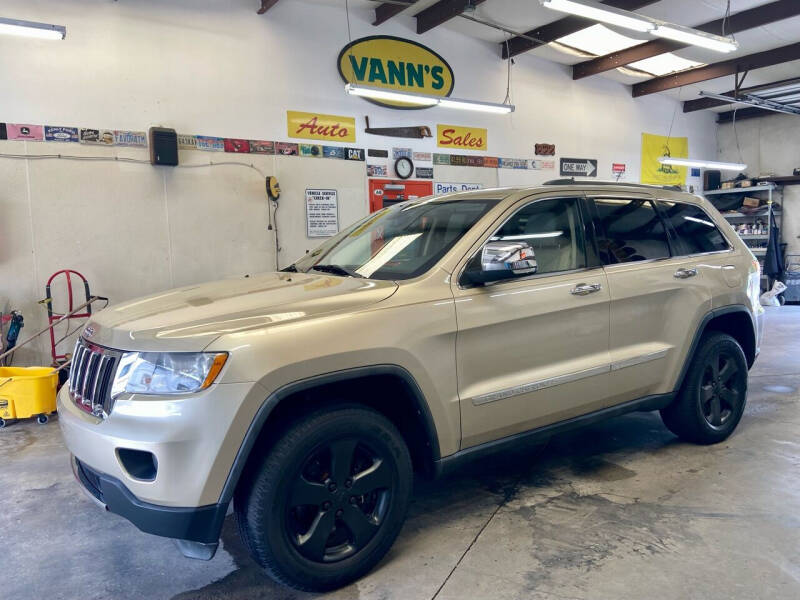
x: 618, y: 510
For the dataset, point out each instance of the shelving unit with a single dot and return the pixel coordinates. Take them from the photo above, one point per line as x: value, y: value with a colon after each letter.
x: 756, y: 242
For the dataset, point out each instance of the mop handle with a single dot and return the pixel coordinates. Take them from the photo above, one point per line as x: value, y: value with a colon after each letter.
x: 53, y: 324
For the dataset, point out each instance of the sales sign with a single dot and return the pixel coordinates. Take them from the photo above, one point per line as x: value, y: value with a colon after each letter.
x: 580, y: 167
x: 463, y: 138
x: 393, y: 63
x: 322, y: 213
x: 315, y: 126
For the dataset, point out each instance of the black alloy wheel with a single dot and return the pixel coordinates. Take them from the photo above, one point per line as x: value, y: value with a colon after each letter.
x: 719, y: 389
x: 325, y: 501
x: 712, y: 399
x: 338, y: 500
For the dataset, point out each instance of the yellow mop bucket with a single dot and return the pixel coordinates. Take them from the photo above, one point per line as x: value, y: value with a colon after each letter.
x: 27, y: 391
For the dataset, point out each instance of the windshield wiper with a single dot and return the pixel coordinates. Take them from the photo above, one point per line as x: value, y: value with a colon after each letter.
x: 336, y: 270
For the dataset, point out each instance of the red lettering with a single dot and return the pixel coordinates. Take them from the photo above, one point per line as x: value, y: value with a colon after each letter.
x: 465, y: 141
x: 324, y: 130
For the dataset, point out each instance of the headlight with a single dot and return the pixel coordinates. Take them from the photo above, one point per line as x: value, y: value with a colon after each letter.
x: 166, y: 372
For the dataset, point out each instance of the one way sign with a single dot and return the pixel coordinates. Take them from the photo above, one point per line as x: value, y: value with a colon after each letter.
x: 582, y: 167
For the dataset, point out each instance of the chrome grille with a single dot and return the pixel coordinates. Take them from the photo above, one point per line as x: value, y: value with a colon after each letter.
x: 91, y: 376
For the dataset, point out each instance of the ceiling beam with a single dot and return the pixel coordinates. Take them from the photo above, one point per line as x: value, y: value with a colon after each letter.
x: 387, y: 10
x: 441, y: 12
x: 706, y: 103
x: 557, y: 29
x: 744, y: 113
x: 740, y: 64
x: 266, y: 5
x: 741, y: 21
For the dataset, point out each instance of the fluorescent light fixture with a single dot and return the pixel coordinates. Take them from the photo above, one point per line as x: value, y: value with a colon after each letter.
x: 391, y: 96
x: 489, y: 107
x: 32, y: 29
x: 703, y: 164
x: 693, y: 37
x: 425, y: 100
x: 596, y: 11
x: 600, y: 12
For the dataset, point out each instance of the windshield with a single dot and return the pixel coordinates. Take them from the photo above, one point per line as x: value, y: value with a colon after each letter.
x: 399, y: 242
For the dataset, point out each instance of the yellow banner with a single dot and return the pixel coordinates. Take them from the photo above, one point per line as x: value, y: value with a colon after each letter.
x: 461, y: 138
x: 314, y: 126
x: 656, y: 146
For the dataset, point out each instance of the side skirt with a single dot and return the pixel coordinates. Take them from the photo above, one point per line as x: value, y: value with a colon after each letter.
x: 451, y: 463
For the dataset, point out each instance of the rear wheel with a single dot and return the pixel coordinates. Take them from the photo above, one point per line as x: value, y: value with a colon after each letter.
x: 712, y: 399
x: 2, y: 423
x: 42, y: 419
x: 328, y: 500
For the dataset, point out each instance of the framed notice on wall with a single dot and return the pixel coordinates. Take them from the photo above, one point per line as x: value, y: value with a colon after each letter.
x: 322, y: 213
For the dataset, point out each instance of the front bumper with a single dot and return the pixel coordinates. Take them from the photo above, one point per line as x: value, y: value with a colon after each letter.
x: 193, y: 441
x: 202, y: 524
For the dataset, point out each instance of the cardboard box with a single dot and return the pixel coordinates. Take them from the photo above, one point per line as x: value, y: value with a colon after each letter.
x: 751, y: 202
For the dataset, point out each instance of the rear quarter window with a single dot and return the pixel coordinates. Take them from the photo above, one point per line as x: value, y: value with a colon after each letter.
x: 696, y: 231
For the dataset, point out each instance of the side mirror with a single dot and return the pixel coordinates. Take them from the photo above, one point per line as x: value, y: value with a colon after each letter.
x: 499, y: 260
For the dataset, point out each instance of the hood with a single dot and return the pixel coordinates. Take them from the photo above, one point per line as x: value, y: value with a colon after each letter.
x: 190, y: 318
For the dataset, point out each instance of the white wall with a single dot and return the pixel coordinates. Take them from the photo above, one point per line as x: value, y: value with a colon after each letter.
x: 214, y: 67
x: 769, y: 146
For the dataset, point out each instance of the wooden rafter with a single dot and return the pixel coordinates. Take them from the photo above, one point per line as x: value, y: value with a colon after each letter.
x: 441, y: 12
x: 386, y: 10
x: 740, y: 64
x: 266, y: 5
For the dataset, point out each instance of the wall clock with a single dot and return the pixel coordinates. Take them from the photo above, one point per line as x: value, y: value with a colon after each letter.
x: 404, y: 167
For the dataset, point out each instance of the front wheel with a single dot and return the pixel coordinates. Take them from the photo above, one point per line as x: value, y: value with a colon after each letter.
x: 712, y: 399
x: 42, y: 419
x: 328, y: 500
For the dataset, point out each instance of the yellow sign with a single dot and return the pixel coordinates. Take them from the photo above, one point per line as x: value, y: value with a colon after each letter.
x: 461, y: 138
x: 314, y: 126
x: 656, y: 146
x: 393, y: 63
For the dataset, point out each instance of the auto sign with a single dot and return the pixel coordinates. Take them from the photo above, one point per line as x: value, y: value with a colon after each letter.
x: 394, y: 63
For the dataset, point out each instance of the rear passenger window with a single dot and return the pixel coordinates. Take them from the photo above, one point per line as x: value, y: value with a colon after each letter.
x: 696, y: 232
x: 632, y: 231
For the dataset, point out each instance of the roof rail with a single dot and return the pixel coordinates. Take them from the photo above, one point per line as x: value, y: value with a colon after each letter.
x: 571, y: 181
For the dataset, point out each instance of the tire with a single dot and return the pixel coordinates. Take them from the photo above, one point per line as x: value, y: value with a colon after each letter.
x: 287, y: 503
x: 2, y: 423
x: 711, y: 401
x: 42, y: 419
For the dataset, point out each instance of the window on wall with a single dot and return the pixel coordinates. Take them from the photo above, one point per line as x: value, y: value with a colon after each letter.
x: 696, y: 232
x: 633, y: 231
x: 552, y: 228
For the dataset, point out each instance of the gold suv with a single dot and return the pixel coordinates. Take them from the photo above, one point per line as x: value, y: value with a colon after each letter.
x: 426, y: 334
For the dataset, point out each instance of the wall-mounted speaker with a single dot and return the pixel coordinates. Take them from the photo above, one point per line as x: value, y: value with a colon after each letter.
x: 163, y: 146
x: 711, y: 180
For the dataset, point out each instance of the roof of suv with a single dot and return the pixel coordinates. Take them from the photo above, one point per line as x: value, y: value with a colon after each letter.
x: 562, y: 185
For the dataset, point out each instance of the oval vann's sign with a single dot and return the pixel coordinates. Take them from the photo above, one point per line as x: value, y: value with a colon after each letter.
x: 397, y: 64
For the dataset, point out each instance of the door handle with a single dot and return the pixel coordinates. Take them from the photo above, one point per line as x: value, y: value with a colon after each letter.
x: 584, y: 289
x: 685, y: 273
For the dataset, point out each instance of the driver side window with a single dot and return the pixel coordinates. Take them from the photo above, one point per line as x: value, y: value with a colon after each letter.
x: 553, y: 229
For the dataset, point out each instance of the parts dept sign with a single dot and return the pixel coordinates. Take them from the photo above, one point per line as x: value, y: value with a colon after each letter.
x: 396, y: 64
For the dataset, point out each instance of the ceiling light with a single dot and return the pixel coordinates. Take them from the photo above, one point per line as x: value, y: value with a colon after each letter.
x: 32, y: 29
x: 600, y: 12
x: 425, y: 100
x: 489, y: 107
x: 703, y: 164
x: 693, y: 37
x: 391, y: 96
